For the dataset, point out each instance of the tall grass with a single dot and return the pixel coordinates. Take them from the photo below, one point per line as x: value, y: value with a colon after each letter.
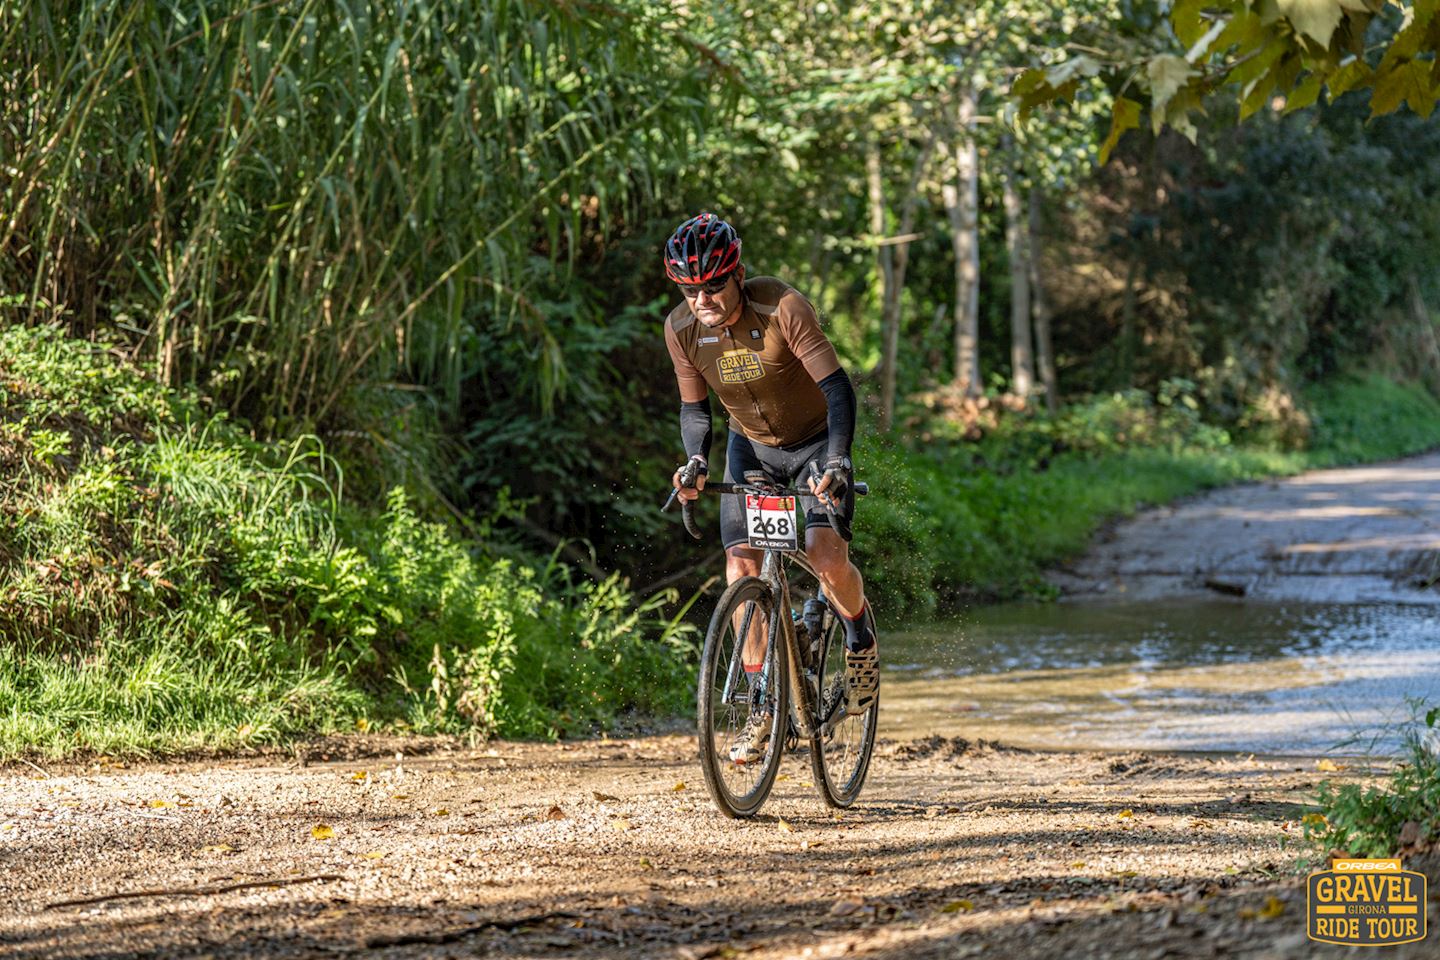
x: 278, y: 201
x: 167, y: 583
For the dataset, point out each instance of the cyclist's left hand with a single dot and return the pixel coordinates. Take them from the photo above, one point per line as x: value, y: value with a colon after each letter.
x: 835, y: 482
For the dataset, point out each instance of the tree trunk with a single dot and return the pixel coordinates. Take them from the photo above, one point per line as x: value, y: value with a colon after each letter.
x: 1022, y: 361
x: 1125, y: 358
x: 962, y: 204
x: 893, y: 266
x: 1040, y: 307
x: 885, y: 258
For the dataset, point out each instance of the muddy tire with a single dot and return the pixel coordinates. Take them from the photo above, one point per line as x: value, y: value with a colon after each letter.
x: 841, y: 748
x: 723, y: 700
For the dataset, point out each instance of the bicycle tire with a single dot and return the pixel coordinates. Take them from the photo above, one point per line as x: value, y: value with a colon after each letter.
x: 840, y: 758
x: 739, y: 789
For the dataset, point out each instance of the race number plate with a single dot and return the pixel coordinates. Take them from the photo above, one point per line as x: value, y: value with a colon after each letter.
x: 771, y: 521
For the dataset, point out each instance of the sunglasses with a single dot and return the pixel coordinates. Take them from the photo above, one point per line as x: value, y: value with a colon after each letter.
x: 710, y: 286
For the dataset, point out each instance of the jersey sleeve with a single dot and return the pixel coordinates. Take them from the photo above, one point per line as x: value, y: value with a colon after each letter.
x: 807, y: 341
x: 693, y: 388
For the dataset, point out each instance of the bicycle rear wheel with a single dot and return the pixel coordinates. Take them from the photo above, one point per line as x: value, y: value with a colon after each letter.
x: 728, y: 695
x: 841, y: 747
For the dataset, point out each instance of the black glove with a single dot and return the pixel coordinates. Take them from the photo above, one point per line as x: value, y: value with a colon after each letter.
x: 842, y: 474
x: 692, y: 469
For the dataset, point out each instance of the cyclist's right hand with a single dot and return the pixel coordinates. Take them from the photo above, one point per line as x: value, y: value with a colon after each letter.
x: 689, y: 478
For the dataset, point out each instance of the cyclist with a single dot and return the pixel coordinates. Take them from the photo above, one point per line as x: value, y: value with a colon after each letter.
x: 758, y: 344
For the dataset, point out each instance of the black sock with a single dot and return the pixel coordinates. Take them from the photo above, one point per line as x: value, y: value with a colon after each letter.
x: 857, y: 631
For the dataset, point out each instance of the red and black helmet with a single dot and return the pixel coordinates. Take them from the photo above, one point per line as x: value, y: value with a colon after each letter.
x: 701, y: 249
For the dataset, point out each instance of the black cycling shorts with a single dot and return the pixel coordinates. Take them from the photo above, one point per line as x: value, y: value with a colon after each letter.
x: 787, y: 465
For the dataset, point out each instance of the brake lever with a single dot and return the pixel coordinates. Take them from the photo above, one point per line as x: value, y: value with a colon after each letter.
x: 826, y: 501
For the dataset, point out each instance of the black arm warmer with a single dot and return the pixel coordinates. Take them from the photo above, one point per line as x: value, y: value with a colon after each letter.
x: 840, y: 412
x: 695, y: 428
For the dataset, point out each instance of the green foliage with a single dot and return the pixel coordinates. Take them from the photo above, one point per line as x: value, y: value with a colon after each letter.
x: 982, y: 520
x: 1256, y: 52
x: 1367, y: 821
x: 1358, y: 418
x: 170, y: 584
x: 281, y: 203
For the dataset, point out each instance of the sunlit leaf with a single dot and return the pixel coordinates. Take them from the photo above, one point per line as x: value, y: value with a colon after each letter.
x: 322, y: 831
x: 1316, y: 19
x: 1126, y: 116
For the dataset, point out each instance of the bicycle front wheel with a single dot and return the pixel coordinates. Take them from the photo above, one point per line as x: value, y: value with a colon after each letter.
x: 741, y: 714
x: 842, y: 744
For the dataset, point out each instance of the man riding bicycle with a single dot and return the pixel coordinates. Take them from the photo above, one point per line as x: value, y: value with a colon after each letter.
x: 758, y: 344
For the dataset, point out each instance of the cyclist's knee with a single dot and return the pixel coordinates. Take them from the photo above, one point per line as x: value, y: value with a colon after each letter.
x: 742, y: 561
x: 827, y: 551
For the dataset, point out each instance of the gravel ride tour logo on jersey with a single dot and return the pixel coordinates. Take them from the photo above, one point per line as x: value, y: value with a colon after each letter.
x: 740, y: 366
x: 1365, y: 901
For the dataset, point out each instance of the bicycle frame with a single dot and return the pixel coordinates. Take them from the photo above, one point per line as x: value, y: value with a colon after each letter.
x: 782, y: 626
x: 772, y: 572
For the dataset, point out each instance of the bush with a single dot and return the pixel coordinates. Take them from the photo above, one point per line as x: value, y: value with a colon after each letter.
x: 1369, y: 821
x: 170, y: 584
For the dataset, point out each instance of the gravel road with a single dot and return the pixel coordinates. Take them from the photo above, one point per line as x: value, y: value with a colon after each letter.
x: 610, y: 848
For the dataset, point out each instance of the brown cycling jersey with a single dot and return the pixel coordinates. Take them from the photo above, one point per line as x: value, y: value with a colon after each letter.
x: 763, y: 367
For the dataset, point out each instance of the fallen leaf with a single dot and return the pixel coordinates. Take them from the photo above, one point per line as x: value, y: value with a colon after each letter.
x: 160, y: 804
x: 7, y: 827
x: 958, y: 906
x: 322, y: 831
x: 1124, y: 873
x: 400, y: 796
x: 809, y: 844
x: 216, y: 848
x: 375, y: 855
x: 1078, y: 864
x: 441, y: 812
x: 783, y: 776
x: 843, y: 908
x: 1272, y: 909
x: 1328, y: 766
x: 1314, y: 820
x: 555, y: 813
x: 646, y: 864
x: 605, y: 797
x: 1125, y: 814
x: 621, y: 824
x: 784, y: 826
x: 360, y: 776
x: 678, y: 787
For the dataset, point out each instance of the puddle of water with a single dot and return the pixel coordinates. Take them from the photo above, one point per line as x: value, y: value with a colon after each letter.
x: 1167, y: 675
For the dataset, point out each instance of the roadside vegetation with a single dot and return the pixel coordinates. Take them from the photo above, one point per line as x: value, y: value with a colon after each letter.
x: 334, y: 394
x: 168, y: 584
x: 1398, y: 814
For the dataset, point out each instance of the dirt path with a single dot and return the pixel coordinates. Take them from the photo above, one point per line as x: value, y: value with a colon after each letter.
x: 1358, y: 534
x: 611, y: 848
x: 596, y: 849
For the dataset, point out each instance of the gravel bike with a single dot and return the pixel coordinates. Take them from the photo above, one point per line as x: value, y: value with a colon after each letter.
x: 800, y: 685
